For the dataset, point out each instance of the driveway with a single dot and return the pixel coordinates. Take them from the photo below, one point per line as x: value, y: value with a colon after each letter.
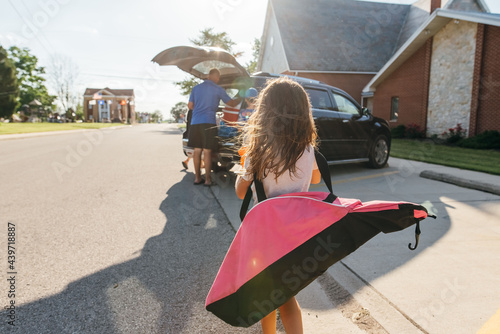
x: 455, y: 271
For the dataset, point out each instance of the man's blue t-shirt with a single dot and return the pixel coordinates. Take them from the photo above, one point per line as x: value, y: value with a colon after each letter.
x: 206, y: 97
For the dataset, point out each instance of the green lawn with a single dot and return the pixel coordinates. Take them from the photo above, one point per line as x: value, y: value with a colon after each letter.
x: 479, y: 160
x: 9, y: 128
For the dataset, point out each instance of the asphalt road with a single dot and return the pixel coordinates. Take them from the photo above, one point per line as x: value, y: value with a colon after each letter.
x: 111, y: 235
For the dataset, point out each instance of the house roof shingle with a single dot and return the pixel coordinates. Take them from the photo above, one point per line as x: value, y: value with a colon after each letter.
x: 339, y: 35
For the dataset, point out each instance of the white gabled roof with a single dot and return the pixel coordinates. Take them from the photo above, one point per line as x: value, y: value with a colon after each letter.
x: 429, y: 28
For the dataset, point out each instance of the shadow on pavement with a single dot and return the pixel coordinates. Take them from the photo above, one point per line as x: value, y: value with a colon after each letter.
x: 163, y: 290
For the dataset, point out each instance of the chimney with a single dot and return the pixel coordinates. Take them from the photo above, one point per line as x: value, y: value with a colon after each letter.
x: 435, y: 4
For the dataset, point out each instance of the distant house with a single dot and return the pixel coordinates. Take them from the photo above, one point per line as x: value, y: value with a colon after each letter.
x: 355, y: 45
x: 447, y: 73
x: 109, y: 105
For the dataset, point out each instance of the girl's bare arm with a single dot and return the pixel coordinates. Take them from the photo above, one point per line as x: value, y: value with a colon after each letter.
x: 241, y: 187
x: 316, y: 177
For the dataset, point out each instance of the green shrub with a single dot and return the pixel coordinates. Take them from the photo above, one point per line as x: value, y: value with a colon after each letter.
x: 486, y: 140
x: 398, y: 131
x: 413, y: 131
x: 454, y: 135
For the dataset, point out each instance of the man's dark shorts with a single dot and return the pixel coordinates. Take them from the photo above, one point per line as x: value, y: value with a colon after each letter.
x: 203, y: 136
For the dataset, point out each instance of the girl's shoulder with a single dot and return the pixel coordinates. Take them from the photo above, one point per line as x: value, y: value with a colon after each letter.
x: 307, y: 156
x: 309, y: 151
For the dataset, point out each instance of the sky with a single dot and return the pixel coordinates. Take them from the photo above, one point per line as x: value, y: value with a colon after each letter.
x: 113, y: 41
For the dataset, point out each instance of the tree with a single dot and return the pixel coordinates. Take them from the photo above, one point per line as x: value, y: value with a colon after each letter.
x: 221, y: 40
x: 156, y: 116
x: 179, y: 109
x: 30, y: 77
x: 9, y: 89
x: 252, y: 65
x: 63, y: 76
x: 207, y: 38
x: 79, y: 111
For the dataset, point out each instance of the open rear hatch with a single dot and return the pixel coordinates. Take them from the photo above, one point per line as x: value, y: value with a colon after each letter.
x: 198, y: 60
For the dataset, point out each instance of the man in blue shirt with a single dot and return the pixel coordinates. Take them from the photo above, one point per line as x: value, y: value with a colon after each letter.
x: 204, y: 101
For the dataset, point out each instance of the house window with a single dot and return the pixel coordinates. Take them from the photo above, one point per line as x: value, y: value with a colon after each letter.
x: 394, y: 108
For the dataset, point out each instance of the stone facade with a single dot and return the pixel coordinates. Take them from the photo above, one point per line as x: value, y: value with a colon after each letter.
x: 451, y: 76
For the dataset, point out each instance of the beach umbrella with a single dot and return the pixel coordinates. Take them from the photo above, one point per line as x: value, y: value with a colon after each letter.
x: 286, y: 242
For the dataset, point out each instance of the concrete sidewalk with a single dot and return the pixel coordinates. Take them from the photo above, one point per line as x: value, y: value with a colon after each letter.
x: 354, y: 301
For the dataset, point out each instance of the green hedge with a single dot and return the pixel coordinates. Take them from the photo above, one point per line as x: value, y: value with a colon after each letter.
x: 486, y: 140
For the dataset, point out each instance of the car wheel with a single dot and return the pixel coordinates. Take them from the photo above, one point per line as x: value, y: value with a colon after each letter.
x: 216, y: 167
x: 379, y: 153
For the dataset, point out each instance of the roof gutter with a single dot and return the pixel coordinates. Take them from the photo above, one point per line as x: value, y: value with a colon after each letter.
x: 436, y: 21
x: 484, y: 5
x: 421, y: 35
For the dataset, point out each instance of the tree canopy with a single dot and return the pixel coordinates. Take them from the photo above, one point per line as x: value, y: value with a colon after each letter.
x: 252, y: 65
x: 63, y: 76
x: 156, y: 116
x: 207, y: 37
x: 30, y: 77
x: 179, y: 109
x: 9, y: 89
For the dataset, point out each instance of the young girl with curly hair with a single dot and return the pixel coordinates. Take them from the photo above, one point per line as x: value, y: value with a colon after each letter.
x: 280, y: 139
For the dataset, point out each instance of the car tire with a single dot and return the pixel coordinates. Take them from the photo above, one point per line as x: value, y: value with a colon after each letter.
x: 379, y: 152
x: 215, y: 167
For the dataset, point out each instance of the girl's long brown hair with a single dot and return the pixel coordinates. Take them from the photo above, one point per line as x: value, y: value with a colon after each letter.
x: 280, y: 129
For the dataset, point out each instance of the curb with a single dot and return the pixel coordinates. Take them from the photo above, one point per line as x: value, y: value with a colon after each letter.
x: 15, y: 136
x: 380, y: 309
x: 466, y: 183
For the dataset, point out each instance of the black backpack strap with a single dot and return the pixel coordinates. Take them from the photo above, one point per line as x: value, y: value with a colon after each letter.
x: 325, y: 175
x: 261, y: 195
x: 324, y: 170
x: 246, y: 202
x: 259, y: 188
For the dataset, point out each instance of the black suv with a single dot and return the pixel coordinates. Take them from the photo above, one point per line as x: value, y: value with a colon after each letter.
x: 347, y: 132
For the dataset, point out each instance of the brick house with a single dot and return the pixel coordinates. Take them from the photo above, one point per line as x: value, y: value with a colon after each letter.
x: 447, y: 73
x: 109, y: 105
x: 356, y: 45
